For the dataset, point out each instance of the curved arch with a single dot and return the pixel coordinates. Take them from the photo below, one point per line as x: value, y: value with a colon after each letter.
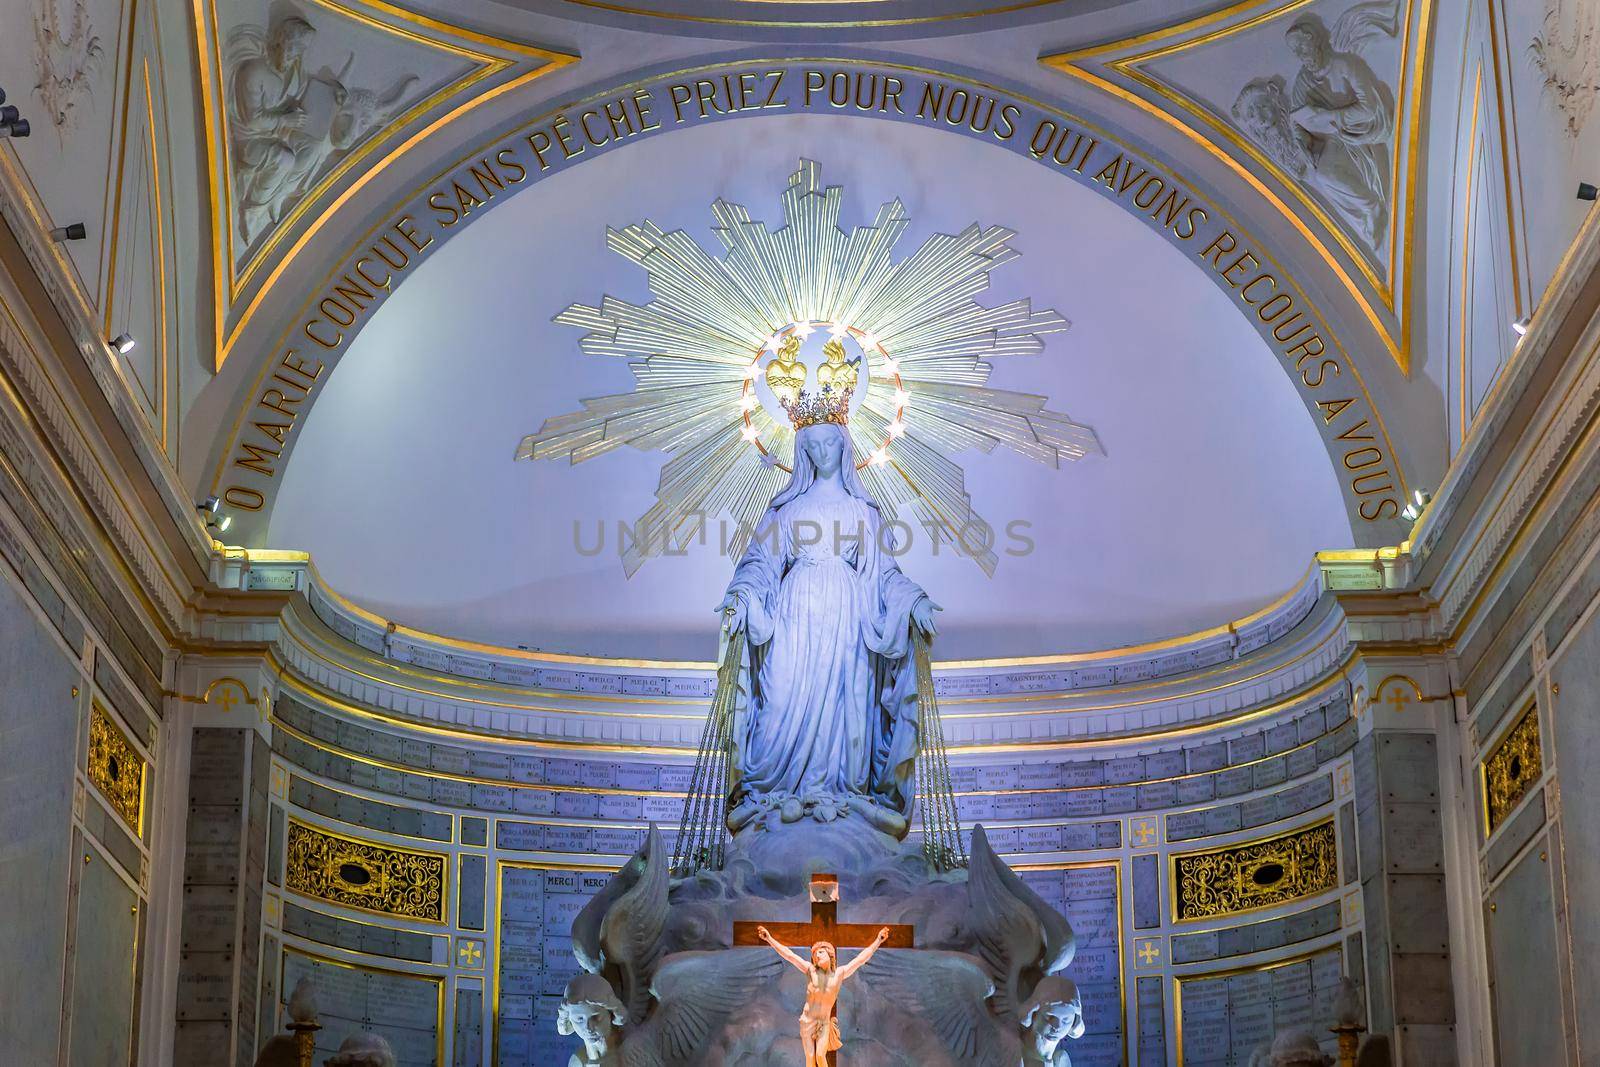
x: 264, y: 430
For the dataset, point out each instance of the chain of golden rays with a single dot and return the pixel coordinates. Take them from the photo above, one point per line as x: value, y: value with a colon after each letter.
x: 928, y: 343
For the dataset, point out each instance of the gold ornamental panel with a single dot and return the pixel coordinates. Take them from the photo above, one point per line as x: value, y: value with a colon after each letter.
x: 360, y: 874
x: 1512, y: 766
x: 1258, y: 874
x: 116, y: 769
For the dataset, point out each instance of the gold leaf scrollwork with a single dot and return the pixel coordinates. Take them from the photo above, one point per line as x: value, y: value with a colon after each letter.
x: 1260, y: 874
x: 370, y: 877
x: 116, y: 768
x: 1511, y: 768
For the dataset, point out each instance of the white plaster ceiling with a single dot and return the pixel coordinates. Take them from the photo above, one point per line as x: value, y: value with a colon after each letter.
x: 1212, y: 496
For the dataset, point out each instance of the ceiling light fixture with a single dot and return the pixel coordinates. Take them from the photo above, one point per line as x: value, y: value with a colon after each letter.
x: 12, y: 124
x: 123, y: 343
x: 209, y: 505
x: 1419, y: 501
x: 1586, y: 191
x: 72, y: 231
x: 1520, y: 327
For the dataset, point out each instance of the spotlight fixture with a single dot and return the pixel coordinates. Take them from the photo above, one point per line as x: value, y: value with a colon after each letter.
x: 209, y: 505
x: 1586, y: 191
x: 1520, y: 327
x: 72, y: 231
x: 123, y: 343
x: 12, y: 124
x: 222, y: 527
x: 1419, y: 500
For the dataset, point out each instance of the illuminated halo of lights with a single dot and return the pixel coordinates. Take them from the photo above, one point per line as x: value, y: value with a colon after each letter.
x: 695, y: 348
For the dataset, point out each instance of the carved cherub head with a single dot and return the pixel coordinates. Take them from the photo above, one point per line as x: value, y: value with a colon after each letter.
x: 1053, y: 1014
x: 592, y: 1010
x: 363, y: 1050
x: 1298, y: 1048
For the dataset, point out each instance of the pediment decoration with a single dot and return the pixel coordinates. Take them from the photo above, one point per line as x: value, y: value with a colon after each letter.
x: 306, y: 101
x: 1316, y: 105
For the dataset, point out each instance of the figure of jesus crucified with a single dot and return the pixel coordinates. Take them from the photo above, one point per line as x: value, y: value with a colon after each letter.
x: 819, y: 1029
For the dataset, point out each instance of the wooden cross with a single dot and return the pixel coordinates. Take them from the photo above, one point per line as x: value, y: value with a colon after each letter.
x: 824, y: 926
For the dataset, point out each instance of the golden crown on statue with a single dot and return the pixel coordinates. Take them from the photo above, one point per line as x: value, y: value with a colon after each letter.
x: 813, y: 409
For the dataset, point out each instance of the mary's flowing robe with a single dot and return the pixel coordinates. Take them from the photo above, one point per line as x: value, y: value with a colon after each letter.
x: 832, y: 707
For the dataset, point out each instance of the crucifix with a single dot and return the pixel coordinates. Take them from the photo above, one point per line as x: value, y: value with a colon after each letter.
x: 824, y: 926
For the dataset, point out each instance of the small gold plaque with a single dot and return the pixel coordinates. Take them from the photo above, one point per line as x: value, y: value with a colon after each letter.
x: 1513, y: 765
x: 364, y: 875
x: 116, y: 769
x: 1259, y: 874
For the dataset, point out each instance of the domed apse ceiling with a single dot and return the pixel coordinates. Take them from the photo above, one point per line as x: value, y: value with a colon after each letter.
x: 1210, y: 499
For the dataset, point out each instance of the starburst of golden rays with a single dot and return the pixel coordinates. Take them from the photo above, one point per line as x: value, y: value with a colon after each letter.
x: 832, y: 308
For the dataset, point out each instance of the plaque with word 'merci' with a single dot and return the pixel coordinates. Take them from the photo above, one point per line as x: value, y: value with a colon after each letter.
x: 1089, y: 896
x: 537, y: 907
x: 404, y: 1008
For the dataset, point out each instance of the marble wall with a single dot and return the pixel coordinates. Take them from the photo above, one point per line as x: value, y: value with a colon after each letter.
x: 77, y: 769
x: 530, y: 832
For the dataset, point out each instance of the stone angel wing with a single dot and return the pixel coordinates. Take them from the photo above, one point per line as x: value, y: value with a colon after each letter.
x: 618, y: 934
x: 1364, y: 23
x: 950, y: 991
x: 1020, y: 938
x: 698, y: 994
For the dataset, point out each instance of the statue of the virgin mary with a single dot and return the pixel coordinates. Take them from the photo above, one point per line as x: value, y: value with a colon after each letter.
x: 829, y: 726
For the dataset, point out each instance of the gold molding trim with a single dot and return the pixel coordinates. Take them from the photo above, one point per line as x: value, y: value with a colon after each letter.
x: 1129, y: 52
x: 1112, y: 656
x: 116, y: 769
x: 1510, y: 770
x: 811, y: 24
x: 1242, y: 878
x: 229, y: 282
x: 365, y: 875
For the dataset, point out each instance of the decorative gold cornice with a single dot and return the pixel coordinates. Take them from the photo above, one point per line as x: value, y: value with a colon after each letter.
x: 366, y: 875
x: 1511, y: 769
x: 1241, y: 878
x: 116, y: 769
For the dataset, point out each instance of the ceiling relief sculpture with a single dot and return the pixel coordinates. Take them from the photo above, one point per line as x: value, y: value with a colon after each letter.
x: 69, y: 52
x: 61, y: 64
x: 1265, y: 290
x: 1315, y: 93
x: 723, y: 350
x: 308, y: 100
x: 1566, y: 53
